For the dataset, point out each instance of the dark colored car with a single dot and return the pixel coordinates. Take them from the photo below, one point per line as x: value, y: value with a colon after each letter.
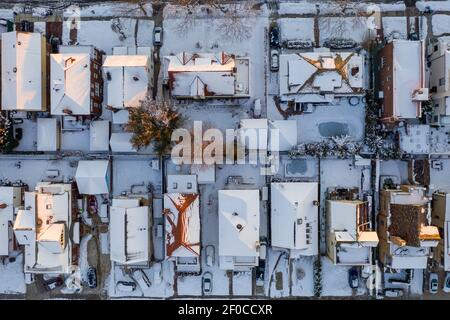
x: 353, y: 279
x: 53, y: 283
x: 274, y: 37
x: 92, y: 277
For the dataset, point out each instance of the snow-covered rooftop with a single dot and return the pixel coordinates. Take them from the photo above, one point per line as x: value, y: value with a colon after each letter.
x: 239, y: 219
x: 44, y: 227
x: 130, y: 232
x: 23, y: 71
x: 207, y: 75
x: 70, y: 84
x: 127, y: 79
x: 91, y: 176
x: 182, y: 225
x: 47, y: 134
x: 321, y: 72
x: 294, y: 216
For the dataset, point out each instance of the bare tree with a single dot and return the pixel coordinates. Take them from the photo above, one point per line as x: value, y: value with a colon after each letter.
x: 153, y: 121
x: 238, y: 20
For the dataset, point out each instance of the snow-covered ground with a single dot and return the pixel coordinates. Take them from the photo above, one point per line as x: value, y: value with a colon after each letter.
x: 441, y: 24
x: 433, y: 5
x: 335, y: 280
x: 297, y: 29
x: 395, y: 27
x: 12, y: 280
x: 242, y: 284
x: 163, y: 289
x: 302, y: 277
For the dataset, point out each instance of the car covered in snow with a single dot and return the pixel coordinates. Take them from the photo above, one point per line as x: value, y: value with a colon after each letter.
x: 353, y: 278
x: 126, y: 286
x: 433, y: 283
x: 274, y: 60
x: 157, y: 36
x: 92, y: 277
x: 446, y: 286
x: 207, y: 283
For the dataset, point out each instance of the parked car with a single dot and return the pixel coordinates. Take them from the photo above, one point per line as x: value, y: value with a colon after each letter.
x: 92, y: 277
x: 210, y: 255
x: 262, y: 248
x: 141, y: 278
x: 393, y: 293
x: 53, y: 283
x: 157, y: 36
x: 433, y: 283
x: 353, y: 278
x: 274, y: 37
x: 446, y: 287
x: 274, y: 60
x: 257, y: 108
x: 157, y: 277
x: 126, y: 286
x: 207, y: 283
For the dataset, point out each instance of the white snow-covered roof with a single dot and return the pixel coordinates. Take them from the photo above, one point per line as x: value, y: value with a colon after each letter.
x: 127, y: 79
x: 91, y: 176
x: 23, y: 71
x: 294, y: 217
x: 239, y: 219
x: 321, y: 72
x: 203, y: 75
x: 182, y: 224
x: 287, y: 134
x: 47, y: 134
x: 181, y: 183
x: 99, y: 135
x: 408, y: 76
x: 70, y: 83
x: 121, y: 142
x: 129, y: 232
x: 42, y: 228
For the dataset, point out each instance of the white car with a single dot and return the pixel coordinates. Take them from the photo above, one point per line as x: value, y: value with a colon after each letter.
x: 274, y: 60
x: 433, y: 283
x: 393, y: 293
x: 207, y: 282
x: 209, y: 255
x: 157, y: 36
x: 446, y: 287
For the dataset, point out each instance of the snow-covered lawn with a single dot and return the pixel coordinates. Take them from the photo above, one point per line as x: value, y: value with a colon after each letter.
x: 33, y: 171
x: 100, y: 33
x: 297, y: 29
x: 433, y: 5
x: 162, y: 290
x: 395, y: 26
x: 107, y: 10
x: 441, y: 24
x: 189, y: 285
x: 242, y: 284
x: 12, y: 280
x: 302, y: 277
x: 335, y: 280
x: 354, y: 28
x: 301, y: 7
x: 128, y: 172
x: 274, y: 271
